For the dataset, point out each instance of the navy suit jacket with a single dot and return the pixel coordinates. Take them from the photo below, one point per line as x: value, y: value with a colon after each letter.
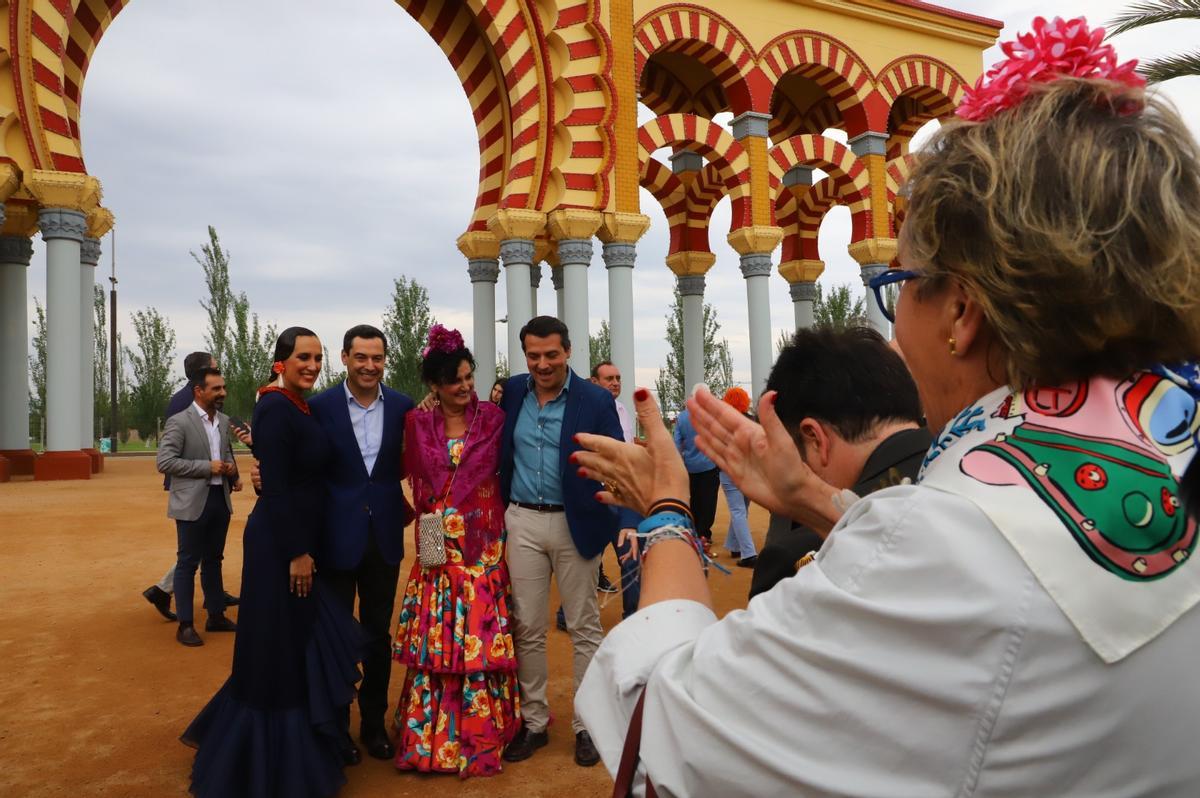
x: 358, y: 503
x: 590, y: 408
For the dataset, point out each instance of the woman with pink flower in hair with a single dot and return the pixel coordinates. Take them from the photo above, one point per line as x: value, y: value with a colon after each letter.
x: 459, y: 706
x: 1023, y: 620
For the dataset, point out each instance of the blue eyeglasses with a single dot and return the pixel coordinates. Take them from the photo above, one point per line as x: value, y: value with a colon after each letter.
x: 890, y: 277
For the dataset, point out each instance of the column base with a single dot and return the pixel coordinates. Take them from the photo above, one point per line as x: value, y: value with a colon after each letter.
x: 63, y: 465
x: 97, y: 460
x: 20, y: 461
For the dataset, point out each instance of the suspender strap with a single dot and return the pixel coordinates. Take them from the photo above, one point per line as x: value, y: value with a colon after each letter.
x: 623, y: 786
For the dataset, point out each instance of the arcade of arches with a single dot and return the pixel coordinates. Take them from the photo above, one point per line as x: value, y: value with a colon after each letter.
x: 554, y: 86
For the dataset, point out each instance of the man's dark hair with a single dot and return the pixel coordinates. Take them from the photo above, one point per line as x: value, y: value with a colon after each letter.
x: 596, y: 368
x: 202, y: 376
x: 850, y: 379
x: 362, y: 331
x: 194, y: 363
x: 544, y: 327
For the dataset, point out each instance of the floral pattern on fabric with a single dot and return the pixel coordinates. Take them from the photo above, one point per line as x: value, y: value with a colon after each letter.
x: 460, y: 703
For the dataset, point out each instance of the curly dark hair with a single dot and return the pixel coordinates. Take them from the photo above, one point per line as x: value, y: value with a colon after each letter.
x: 441, y: 368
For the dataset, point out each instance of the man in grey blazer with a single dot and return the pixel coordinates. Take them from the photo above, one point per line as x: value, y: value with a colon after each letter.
x: 195, y: 453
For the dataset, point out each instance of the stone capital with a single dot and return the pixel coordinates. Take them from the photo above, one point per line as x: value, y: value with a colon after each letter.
x: 20, y: 218
x: 801, y: 271
x: 618, y: 254
x: 690, y: 284
x: 686, y: 161
x: 479, y: 245
x: 516, y: 250
x: 68, y: 190
x: 749, y: 124
x: 574, y: 251
x: 869, y: 143
x: 690, y: 263
x: 16, y: 250
x: 535, y: 274
x: 517, y: 223
x: 624, y: 228
x: 755, y: 239
x: 756, y: 264
x: 483, y: 270
x: 873, y: 250
x: 574, y: 223
x: 870, y: 270
x: 62, y: 223
x: 798, y: 176
x: 556, y: 277
x: 803, y: 292
x: 99, y: 222
x: 89, y: 251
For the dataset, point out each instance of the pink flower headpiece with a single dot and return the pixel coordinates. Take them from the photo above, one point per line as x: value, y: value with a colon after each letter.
x: 1054, y: 49
x: 443, y: 340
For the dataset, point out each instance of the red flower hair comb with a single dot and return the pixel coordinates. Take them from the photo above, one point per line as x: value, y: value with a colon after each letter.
x: 443, y: 339
x: 1055, y: 49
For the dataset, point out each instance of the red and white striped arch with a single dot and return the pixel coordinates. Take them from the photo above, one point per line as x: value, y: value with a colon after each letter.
x: 830, y: 63
x: 849, y: 176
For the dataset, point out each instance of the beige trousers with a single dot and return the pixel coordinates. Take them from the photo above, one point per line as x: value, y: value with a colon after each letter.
x: 539, y: 544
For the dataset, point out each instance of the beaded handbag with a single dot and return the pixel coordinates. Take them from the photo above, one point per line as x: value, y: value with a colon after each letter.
x: 431, y: 527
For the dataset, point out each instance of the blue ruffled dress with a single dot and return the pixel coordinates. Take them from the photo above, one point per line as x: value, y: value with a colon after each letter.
x: 274, y: 728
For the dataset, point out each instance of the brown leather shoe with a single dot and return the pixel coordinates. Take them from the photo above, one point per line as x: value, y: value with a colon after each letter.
x: 161, y: 600
x: 524, y: 744
x: 187, y: 635
x: 586, y: 754
x: 219, y: 623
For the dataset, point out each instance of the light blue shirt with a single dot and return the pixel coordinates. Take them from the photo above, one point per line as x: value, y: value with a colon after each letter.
x: 537, y: 478
x: 685, y: 441
x: 368, y: 426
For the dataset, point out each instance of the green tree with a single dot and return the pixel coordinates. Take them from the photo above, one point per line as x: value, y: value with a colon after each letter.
x: 718, y: 364
x: 839, y: 309
x: 503, y: 372
x: 151, y: 365
x: 406, y: 324
x: 1152, y: 12
x: 600, y: 345
x: 215, y: 263
x: 37, y: 372
x: 247, y: 363
x: 100, y: 352
x: 332, y: 372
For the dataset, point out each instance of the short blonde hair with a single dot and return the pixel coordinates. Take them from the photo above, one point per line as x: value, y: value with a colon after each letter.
x: 1075, y: 226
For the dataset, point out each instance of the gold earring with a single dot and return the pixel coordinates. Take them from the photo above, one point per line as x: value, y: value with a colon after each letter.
x: 953, y: 344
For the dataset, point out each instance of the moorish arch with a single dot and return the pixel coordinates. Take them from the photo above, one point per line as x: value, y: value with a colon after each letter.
x: 554, y: 87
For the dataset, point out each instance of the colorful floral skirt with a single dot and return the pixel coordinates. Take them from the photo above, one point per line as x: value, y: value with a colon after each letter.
x: 460, y: 705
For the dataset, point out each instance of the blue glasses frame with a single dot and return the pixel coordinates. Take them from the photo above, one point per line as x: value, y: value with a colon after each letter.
x: 890, y: 277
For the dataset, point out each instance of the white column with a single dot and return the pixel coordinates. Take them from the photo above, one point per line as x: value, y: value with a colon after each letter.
x: 535, y: 279
x: 874, y: 314
x: 574, y: 255
x: 559, y: 299
x: 804, y: 294
x: 63, y: 231
x: 517, y: 256
x: 15, y: 252
x: 756, y: 268
x: 89, y: 256
x: 484, y: 274
x: 619, y: 259
x: 691, y: 292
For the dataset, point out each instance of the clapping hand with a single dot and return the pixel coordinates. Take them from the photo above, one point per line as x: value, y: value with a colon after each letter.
x: 763, y: 460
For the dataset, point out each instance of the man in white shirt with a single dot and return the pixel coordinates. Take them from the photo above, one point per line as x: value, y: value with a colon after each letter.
x: 195, y: 453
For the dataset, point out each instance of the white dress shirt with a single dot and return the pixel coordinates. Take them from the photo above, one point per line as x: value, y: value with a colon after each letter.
x: 918, y: 656
x: 368, y: 426
x: 626, y: 421
x: 213, y: 430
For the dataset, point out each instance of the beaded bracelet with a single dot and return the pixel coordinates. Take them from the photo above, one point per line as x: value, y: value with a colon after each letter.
x: 668, y: 532
x: 672, y: 526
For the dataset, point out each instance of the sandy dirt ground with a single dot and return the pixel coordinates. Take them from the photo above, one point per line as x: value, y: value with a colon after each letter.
x: 94, y: 690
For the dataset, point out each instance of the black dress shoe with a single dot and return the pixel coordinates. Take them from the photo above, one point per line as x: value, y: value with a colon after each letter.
x: 161, y: 600
x: 350, y: 753
x: 747, y: 562
x: 187, y: 635
x: 586, y: 754
x: 231, y: 600
x: 524, y: 744
x: 219, y: 623
x: 377, y: 743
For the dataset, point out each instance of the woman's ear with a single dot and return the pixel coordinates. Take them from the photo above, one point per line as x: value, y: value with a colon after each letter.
x: 967, y: 321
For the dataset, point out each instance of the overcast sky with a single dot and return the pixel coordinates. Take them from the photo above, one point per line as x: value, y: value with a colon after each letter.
x: 334, y: 150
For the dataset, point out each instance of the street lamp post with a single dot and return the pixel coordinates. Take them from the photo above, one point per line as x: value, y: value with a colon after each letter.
x: 114, y: 362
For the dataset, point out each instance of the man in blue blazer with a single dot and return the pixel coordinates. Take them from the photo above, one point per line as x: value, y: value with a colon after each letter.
x: 365, y: 515
x: 555, y: 525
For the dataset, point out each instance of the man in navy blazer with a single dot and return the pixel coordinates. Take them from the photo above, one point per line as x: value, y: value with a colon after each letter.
x: 555, y: 525
x: 365, y: 515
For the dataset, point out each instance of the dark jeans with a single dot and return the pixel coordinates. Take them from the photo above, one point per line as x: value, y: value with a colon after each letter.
x: 202, y: 543
x: 704, y: 486
x: 375, y: 582
x: 631, y: 581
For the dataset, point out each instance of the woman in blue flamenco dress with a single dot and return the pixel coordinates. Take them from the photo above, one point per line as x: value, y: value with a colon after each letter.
x: 273, y: 728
